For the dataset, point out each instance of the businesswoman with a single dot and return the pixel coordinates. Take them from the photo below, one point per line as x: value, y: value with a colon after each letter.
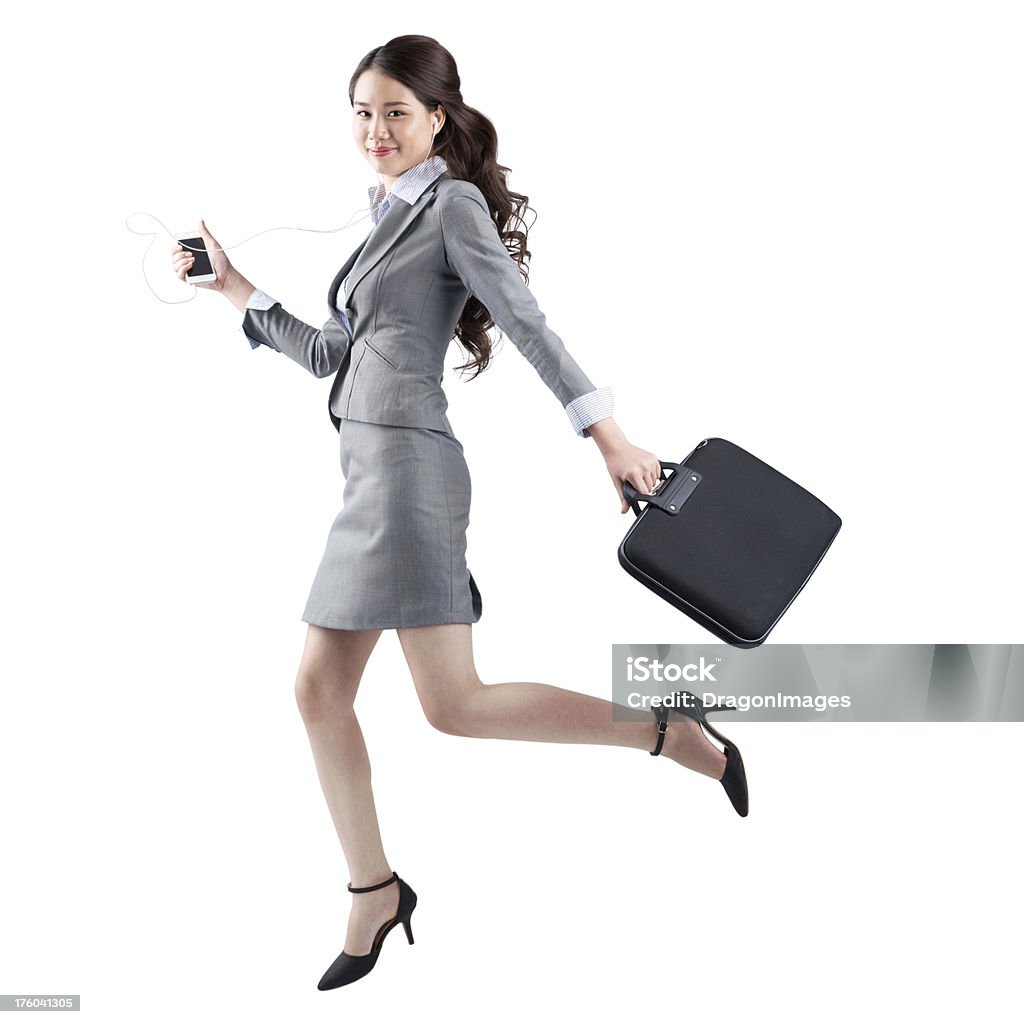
x: 444, y: 258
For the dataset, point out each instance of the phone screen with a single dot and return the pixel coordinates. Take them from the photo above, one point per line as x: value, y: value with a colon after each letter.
x: 202, y: 266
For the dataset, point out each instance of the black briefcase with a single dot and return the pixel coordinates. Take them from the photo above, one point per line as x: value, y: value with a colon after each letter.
x: 727, y: 539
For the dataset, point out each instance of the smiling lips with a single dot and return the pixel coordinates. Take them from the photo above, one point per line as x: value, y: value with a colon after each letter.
x: 382, y: 152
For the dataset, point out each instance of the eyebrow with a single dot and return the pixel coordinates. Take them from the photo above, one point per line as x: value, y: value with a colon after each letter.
x: 397, y: 103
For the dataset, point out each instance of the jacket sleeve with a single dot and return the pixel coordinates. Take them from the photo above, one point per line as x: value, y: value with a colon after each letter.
x: 476, y: 253
x: 267, y: 322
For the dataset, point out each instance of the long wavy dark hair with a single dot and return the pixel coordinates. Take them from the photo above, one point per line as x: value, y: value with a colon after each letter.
x: 468, y: 144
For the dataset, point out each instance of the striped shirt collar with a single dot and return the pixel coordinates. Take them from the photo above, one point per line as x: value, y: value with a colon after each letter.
x: 408, y: 186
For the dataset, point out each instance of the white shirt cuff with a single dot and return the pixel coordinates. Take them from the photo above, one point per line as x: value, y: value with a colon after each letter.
x: 589, y: 408
x: 259, y: 300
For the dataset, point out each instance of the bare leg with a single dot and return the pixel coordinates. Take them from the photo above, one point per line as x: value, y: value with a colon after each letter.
x: 456, y: 701
x: 332, y: 665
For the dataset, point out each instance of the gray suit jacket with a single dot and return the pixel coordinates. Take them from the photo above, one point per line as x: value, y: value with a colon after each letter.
x: 407, y: 285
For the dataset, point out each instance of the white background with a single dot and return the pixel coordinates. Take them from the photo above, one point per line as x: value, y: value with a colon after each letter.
x: 794, y: 225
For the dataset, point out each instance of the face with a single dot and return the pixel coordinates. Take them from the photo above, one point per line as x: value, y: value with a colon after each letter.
x: 392, y: 129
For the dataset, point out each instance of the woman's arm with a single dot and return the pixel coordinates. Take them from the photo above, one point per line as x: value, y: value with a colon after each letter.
x: 477, y: 254
x: 237, y: 290
x: 265, y: 321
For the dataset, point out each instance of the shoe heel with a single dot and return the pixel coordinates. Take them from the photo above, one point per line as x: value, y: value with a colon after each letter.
x: 407, y: 925
x: 734, y: 781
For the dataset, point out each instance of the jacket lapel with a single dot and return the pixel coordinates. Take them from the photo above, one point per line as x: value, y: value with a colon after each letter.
x: 378, y: 243
x: 332, y: 292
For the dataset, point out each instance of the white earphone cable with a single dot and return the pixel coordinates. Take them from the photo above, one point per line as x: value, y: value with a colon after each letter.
x: 364, y: 211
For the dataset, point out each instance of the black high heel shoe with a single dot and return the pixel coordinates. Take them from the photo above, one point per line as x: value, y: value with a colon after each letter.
x: 348, y: 968
x: 734, y: 781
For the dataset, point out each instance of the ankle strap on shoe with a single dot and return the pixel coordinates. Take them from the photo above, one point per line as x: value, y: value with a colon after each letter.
x: 661, y: 714
x: 379, y: 885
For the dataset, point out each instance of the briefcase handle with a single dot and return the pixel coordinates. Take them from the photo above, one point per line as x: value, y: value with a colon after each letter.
x: 672, y: 495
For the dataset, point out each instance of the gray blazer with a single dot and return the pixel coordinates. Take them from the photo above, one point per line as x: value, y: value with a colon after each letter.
x: 407, y: 285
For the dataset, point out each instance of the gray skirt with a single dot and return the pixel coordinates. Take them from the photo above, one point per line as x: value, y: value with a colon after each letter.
x: 396, y: 552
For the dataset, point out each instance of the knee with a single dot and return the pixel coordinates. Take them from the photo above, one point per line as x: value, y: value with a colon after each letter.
x: 453, y: 717
x: 446, y: 720
x: 318, y: 696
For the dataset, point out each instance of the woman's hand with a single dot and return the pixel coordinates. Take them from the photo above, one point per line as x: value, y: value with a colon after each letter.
x: 641, y: 468
x: 624, y: 460
x: 182, y: 260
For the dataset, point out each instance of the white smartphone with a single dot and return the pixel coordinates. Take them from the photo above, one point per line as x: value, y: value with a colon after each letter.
x: 202, y: 269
